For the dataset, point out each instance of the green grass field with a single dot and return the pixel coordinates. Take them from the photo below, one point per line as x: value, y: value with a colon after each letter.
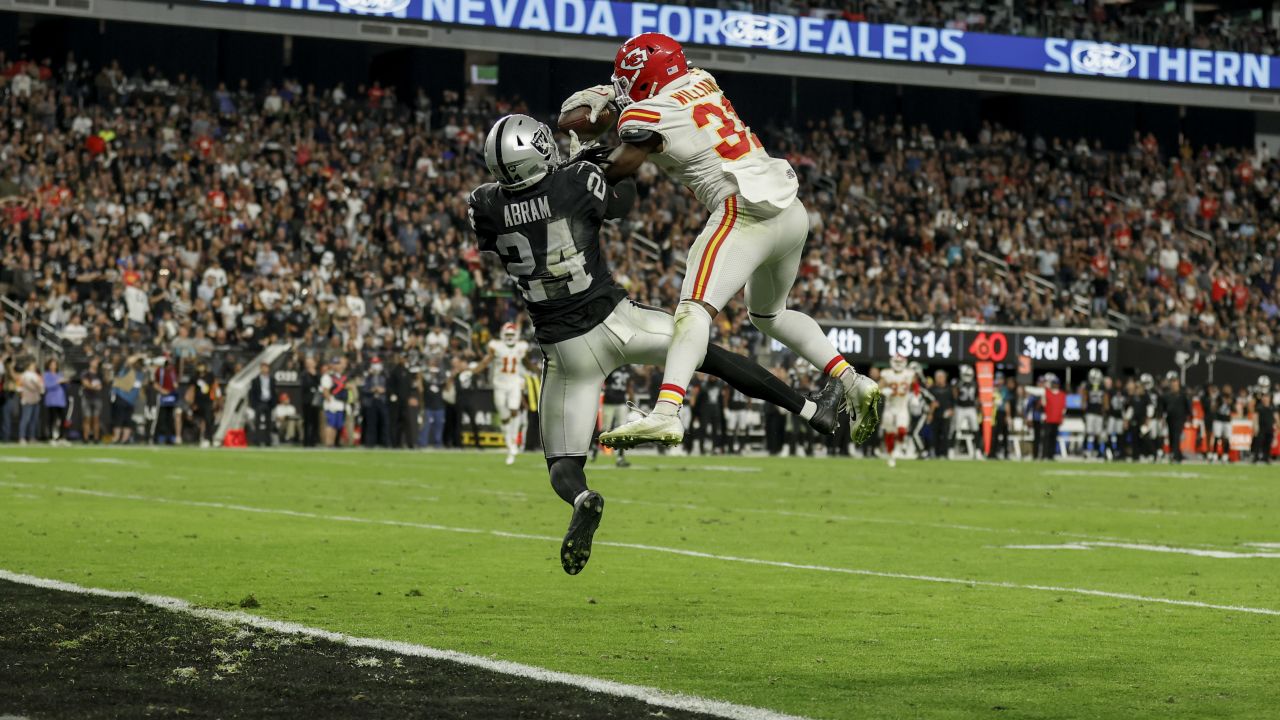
x: 676, y: 595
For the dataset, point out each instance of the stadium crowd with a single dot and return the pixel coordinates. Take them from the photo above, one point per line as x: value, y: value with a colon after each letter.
x: 151, y: 217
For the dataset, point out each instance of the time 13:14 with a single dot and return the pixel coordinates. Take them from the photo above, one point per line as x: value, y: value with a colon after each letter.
x: 932, y: 344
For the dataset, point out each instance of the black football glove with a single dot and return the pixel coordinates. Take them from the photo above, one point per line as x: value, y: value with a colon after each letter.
x: 595, y: 154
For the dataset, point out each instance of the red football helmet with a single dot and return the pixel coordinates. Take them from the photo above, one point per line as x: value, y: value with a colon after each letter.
x: 644, y: 65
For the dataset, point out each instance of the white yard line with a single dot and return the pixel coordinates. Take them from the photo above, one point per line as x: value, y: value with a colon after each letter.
x: 649, y: 695
x: 1146, y: 547
x: 657, y: 549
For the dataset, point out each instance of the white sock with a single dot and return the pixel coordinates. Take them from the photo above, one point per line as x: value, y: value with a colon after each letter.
x: 511, y: 426
x: 810, y: 408
x: 848, y: 376
x: 688, y: 350
x: 803, y: 335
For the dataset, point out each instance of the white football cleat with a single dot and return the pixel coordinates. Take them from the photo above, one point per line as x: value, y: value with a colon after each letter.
x: 862, y: 399
x: 662, y: 428
x: 511, y: 458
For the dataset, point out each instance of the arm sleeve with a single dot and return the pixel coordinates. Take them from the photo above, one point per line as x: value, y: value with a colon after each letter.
x: 619, y: 199
x: 481, y: 223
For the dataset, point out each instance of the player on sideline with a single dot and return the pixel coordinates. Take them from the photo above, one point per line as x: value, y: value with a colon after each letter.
x: 543, y: 220
x: 506, y: 358
x: 678, y: 117
x: 1095, y: 410
x: 965, y: 426
x: 896, y: 382
x: 614, y: 410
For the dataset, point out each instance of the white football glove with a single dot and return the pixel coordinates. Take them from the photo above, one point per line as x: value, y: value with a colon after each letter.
x: 575, y: 145
x: 593, y: 97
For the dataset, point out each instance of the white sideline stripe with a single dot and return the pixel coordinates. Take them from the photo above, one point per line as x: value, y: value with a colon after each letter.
x: 1123, y: 474
x: 1220, y: 554
x: 649, y: 695
x: 659, y: 549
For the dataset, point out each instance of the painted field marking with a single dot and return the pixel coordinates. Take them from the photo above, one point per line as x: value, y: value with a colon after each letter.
x: 659, y: 549
x: 1092, y: 507
x: 1197, y: 552
x: 648, y: 695
x: 1172, y: 474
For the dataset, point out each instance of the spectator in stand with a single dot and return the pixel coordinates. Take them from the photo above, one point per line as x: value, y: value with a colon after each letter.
x: 55, y: 401
x: 31, y: 391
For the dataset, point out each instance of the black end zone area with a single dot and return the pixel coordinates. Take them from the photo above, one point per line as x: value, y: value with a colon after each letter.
x: 65, y: 655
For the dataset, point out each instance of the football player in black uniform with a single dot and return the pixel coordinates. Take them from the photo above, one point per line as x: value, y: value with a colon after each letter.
x: 1094, y: 394
x: 1264, y: 414
x: 1144, y: 406
x: 617, y: 393
x: 1220, y: 404
x: 737, y: 422
x: 1117, y: 403
x: 966, y: 417
x: 542, y: 218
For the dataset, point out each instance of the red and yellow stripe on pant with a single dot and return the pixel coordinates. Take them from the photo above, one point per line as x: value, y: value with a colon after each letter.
x: 707, y: 265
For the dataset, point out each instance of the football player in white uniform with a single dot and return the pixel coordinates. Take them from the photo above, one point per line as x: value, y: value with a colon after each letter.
x: 506, y: 362
x: 896, y: 384
x: 677, y: 117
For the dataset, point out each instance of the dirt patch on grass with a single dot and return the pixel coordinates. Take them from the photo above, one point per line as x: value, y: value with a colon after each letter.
x: 69, y: 655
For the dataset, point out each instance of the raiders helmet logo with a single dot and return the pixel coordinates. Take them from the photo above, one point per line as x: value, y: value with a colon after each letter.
x: 635, y: 59
x: 542, y: 142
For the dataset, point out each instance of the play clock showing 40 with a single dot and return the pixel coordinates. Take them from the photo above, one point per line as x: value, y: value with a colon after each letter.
x: 926, y: 345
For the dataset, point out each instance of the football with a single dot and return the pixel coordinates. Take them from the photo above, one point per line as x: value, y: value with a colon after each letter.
x: 579, y: 120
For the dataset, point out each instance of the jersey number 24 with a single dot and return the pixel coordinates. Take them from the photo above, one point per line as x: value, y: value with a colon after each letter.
x: 566, y: 271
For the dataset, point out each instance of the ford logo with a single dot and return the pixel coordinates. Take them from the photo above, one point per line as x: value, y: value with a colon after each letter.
x: 1102, y: 59
x: 376, y: 7
x: 755, y: 30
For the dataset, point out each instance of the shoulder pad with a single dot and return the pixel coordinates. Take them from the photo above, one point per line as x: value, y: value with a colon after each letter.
x: 482, y: 194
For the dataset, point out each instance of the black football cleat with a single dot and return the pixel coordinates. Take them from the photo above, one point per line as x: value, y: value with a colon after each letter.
x: 575, y: 551
x: 827, y: 418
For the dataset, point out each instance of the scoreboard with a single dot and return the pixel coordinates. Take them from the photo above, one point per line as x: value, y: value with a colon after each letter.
x: 966, y: 344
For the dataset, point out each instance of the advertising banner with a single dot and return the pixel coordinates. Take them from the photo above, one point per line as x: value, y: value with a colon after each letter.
x: 830, y: 37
